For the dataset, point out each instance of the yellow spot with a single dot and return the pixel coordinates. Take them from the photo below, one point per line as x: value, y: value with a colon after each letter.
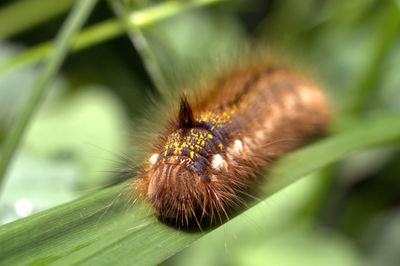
x: 220, y: 146
x: 210, y: 136
x: 165, y: 153
x: 191, y: 154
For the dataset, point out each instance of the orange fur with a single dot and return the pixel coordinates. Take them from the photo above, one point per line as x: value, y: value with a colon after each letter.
x: 207, y: 158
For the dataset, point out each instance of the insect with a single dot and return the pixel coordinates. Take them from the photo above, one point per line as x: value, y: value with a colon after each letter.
x: 209, y: 156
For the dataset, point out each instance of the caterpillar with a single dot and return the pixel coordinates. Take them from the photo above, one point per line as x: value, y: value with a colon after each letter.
x: 209, y: 155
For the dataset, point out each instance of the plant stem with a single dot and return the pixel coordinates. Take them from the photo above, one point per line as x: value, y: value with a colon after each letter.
x: 105, y: 31
x: 55, y: 57
x: 387, y: 33
x: 101, y: 32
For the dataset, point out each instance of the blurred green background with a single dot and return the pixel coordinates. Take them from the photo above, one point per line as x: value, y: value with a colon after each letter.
x: 346, y: 214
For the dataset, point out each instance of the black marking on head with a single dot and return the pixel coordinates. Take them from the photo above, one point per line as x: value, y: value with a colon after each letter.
x: 186, y: 119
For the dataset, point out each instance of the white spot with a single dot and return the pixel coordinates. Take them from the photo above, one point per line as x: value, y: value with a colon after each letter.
x: 260, y: 134
x: 305, y: 94
x: 218, y: 162
x: 237, y: 146
x: 153, y: 158
x: 23, y: 208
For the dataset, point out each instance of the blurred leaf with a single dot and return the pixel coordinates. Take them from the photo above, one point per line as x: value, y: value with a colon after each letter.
x: 65, y: 129
x: 387, y: 30
x: 365, y: 164
x: 10, y: 16
x: 165, y: 48
x: 93, y: 35
x: 104, y: 31
x: 36, y: 184
x: 300, y: 248
x: 183, y: 60
x: 388, y: 95
x: 368, y: 198
x: 383, y: 240
x: 14, y: 88
x: 41, y: 85
x: 88, y: 232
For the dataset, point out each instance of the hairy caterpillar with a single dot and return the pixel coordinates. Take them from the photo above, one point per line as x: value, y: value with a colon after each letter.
x: 208, y: 157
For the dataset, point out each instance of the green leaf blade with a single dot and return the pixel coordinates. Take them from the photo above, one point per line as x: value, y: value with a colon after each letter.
x: 104, y: 229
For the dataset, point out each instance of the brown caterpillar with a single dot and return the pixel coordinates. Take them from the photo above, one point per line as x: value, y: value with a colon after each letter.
x: 208, y: 157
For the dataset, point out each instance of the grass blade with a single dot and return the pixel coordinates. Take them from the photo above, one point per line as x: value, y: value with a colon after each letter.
x: 387, y: 33
x: 84, y: 232
x: 104, y: 31
x: 73, y: 24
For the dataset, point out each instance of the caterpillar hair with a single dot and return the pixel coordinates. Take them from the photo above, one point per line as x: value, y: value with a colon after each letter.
x: 208, y: 156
